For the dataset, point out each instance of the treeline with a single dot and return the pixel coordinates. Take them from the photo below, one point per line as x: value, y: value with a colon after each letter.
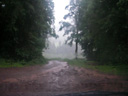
x: 24, y: 26
x: 101, y: 29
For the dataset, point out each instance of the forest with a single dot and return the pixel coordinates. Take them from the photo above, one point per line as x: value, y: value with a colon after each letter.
x: 24, y: 27
x: 99, y: 26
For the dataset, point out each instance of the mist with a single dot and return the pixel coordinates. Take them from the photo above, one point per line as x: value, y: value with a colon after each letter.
x: 57, y: 47
x: 61, y: 50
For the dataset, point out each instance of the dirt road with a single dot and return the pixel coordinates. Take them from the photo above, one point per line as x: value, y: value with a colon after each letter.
x: 56, y: 78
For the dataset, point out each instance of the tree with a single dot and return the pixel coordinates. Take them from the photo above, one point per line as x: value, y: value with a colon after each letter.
x: 72, y: 28
x: 24, y: 28
x: 104, y: 30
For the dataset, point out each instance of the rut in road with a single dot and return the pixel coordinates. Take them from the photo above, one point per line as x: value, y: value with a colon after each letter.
x: 57, y: 77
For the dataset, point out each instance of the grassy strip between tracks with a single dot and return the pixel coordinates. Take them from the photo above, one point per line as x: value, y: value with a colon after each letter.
x: 121, y: 70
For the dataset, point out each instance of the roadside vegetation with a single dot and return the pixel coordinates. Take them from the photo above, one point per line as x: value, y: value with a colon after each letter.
x: 7, y: 63
x: 100, y: 27
x: 121, y: 69
x: 25, y: 26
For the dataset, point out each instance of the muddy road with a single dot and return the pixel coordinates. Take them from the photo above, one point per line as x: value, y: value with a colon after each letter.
x: 56, y: 78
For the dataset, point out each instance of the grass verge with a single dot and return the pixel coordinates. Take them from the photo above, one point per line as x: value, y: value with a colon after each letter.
x: 11, y: 63
x: 121, y: 70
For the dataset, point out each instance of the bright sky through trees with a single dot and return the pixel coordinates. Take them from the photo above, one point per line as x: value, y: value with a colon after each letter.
x: 59, y: 12
x: 51, y: 52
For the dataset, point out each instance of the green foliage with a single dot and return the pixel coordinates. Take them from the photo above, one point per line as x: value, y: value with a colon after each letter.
x: 72, y: 28
x: 111, y: 69
x: 37, y: 61
x: 10, y: 63
x: 24, y: 26
x: 7, y: 63
x: 104, y: 30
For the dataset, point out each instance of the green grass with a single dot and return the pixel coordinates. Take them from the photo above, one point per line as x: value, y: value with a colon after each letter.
x: 121, y: 70
x: 111, y: 69
x: 11, y: 63
x: 59, y: 59
x: 107, y: 69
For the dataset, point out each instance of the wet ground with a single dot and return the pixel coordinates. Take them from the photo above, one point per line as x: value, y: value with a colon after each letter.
x: 56, y: 78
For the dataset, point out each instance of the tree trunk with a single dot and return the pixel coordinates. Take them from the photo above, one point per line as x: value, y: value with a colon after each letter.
x: 76, y: 22
x: 76, y: 50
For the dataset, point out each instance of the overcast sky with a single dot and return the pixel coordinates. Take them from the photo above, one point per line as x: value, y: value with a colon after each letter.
x: 59, y: 12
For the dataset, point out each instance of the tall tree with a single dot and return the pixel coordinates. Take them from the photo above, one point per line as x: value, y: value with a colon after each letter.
x: 104, y: 30
x: 72, y: 28
x: 24, y: 27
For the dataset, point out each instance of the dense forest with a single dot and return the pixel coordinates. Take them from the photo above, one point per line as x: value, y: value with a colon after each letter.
x: 100, y: 27
x: 24, y: 27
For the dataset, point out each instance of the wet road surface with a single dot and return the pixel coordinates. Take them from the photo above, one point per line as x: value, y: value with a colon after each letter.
x: 56, y: 78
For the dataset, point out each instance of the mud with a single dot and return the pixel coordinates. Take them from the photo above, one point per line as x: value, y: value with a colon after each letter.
x: 56, y: 78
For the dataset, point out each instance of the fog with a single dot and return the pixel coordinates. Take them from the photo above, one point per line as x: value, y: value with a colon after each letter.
x: 62, y: 51
x: 57, y: 47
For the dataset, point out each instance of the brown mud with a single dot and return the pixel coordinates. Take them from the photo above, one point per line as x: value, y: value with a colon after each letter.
x: 55, y: 78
